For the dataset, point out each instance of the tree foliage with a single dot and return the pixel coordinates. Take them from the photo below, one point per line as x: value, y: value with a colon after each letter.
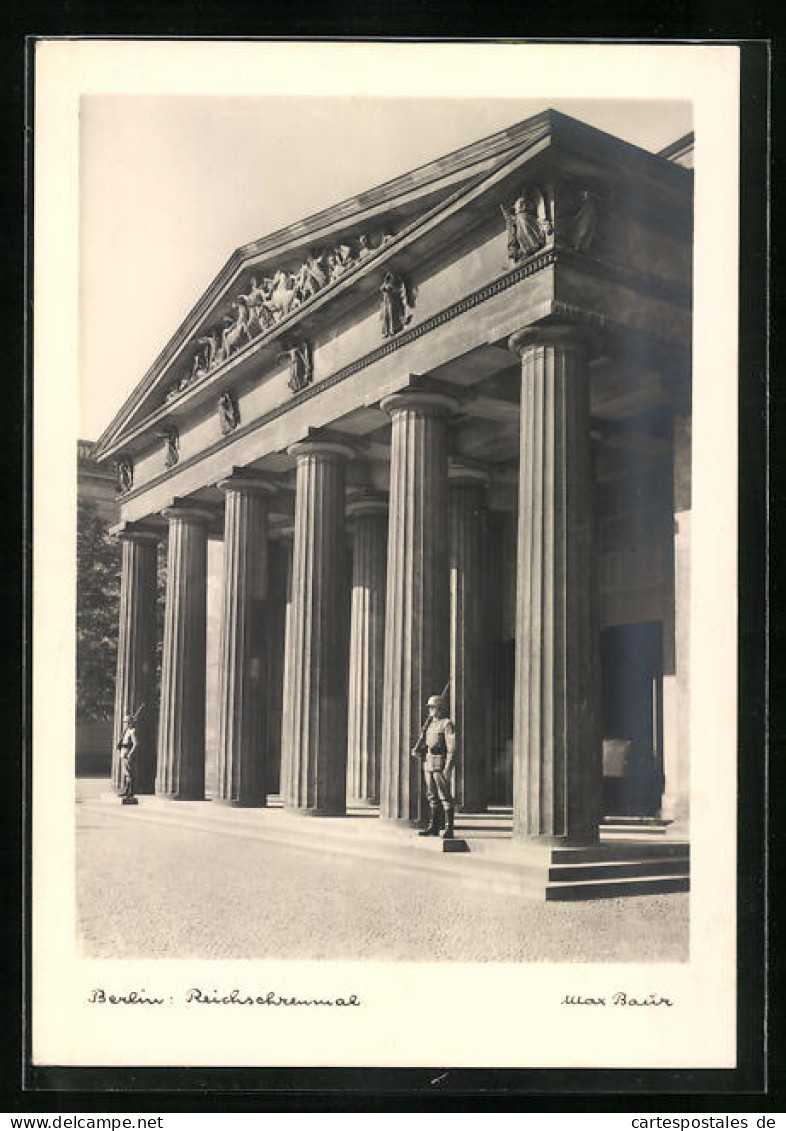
x: 98, y: 564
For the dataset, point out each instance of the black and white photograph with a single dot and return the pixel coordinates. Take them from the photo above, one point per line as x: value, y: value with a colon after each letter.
x: 394, y: 558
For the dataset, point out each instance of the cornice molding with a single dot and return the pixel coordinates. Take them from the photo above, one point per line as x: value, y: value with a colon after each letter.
x: 547, y: 258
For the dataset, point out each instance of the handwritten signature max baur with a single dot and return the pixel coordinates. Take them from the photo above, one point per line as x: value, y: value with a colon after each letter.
x: 618, y: 998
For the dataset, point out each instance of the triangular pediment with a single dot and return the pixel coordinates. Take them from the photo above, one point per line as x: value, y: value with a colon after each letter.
x: 267, y: 287
x: 357, y: 233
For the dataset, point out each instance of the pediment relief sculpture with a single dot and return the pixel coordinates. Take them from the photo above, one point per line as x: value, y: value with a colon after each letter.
x: 273, y: 298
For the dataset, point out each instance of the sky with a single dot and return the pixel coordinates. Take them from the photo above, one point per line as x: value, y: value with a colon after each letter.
x: 170, y: 185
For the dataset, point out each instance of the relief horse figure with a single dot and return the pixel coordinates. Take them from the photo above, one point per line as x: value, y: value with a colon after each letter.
x: 260, y: 315
x: 235, y: 329
x: 283, y: 294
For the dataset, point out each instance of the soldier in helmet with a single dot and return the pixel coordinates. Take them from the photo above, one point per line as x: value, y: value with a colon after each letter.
x: 437, y: 746
x: 128, y: 746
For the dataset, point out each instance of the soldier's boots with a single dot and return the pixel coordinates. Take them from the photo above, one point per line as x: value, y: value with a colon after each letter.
x: 448, y: 833
x: 433, y: 824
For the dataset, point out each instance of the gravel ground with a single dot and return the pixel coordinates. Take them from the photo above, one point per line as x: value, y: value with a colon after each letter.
x: 148, y: 890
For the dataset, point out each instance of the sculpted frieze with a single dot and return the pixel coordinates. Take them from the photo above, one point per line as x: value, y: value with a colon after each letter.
x: 272, y: 298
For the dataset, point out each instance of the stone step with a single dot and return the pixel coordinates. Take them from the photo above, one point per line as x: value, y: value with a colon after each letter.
x: 677, y: 866
x: 614, y: 889
x: 490, y: 865
x: 637, y: 830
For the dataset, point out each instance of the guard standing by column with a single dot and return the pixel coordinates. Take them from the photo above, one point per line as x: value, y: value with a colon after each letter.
x: 437, y: 747
x: 128, y: 747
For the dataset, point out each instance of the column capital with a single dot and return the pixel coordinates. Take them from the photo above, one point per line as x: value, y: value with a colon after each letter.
x: 185, y: 511
x: 281, y: 530
x: 568, y: 335
x: 248, y: 481
x: 421, y: 401
x: 466, y: 475
x: 367, y: 501
x: 317, y: 443
x: 136, y: 532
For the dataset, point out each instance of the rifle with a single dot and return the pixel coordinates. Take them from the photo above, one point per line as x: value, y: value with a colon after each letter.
x: 427, y: 720
x: 132, y: 721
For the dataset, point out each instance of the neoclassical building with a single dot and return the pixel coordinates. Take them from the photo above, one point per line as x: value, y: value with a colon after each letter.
x: 441, y: 433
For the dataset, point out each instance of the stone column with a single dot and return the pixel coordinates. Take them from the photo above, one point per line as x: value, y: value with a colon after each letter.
x: 181, y: 730
x: 557, y: 773
x: 136, y: 652
x: 315, y: 694
x: 417, y: 626
x: 366, y: 647
x: 675, y: 804
x: 285, y: 773
x: 470, y: 652
x: 242, y: 684
x: 276, y: 605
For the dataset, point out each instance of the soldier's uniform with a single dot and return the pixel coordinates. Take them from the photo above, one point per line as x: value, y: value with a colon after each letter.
x: 437, y: 745
x: 127, y: 747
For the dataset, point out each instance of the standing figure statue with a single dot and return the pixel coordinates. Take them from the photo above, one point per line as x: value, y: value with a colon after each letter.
x: 525, y: 232
x: 437, y: 746
x: 125, y: 475
x: 394, y: 308
x: 300, y: 367
x: 128, y: 747
x: 171, y: 438
x: 229, y: 416
x: 585, y: 222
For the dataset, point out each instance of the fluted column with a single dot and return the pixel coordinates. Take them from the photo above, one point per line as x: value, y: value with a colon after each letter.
x: 315, y: 695
x: 276, y: 605
x: 181, y: 730
x: 136, y: 652
x: 242, y: 684
x: 366, y: 647
x: 417, y: 630
x: 557, y: 772
x: 470, y: 653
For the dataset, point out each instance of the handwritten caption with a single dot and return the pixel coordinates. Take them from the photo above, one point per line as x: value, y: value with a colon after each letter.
x: 618, y: 998
x: 195, y: 996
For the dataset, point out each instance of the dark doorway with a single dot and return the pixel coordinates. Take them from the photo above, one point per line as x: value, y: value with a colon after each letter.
x: 503, y: 664
x: 632, y: 673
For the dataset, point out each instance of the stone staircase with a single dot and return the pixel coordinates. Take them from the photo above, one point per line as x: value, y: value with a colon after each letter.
x: 626, y: 862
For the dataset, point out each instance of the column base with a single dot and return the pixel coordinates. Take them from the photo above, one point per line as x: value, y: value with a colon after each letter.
x: 362, y: 803
x: 181, y: 796
x: 237, y: 803
x: 546, y: 843
x: 405, y: 824
x: 297, y: 811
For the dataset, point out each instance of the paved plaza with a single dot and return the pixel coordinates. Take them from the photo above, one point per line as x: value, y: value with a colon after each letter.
x: 164, y: 888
